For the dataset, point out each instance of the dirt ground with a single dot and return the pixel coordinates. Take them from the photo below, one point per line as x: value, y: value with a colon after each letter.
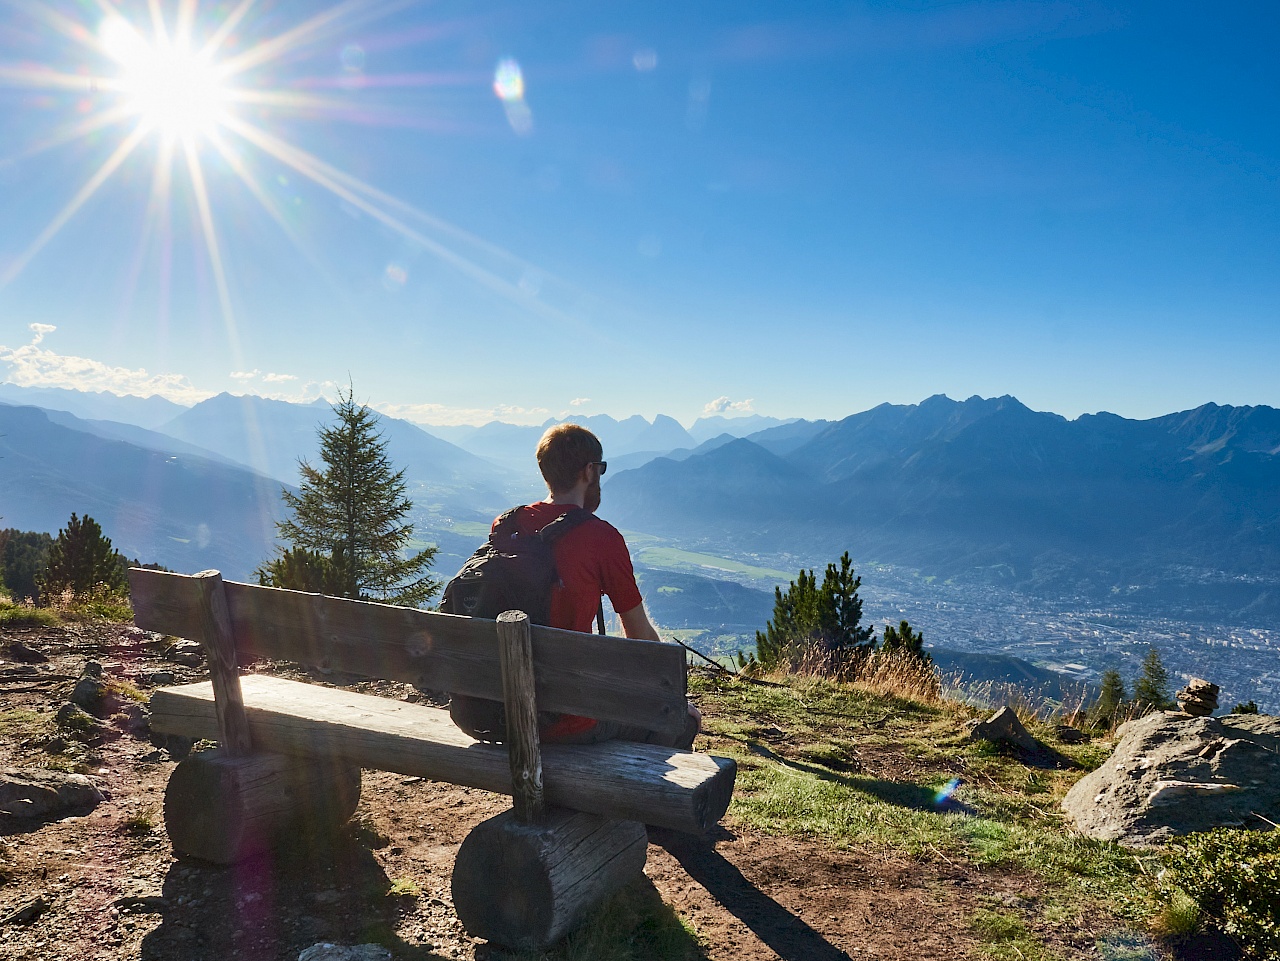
x: 106, y: 884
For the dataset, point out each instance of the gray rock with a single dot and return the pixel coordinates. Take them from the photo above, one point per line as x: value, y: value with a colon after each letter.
x: 1004, y: 726
x: 160, y: 678
x: 1172, y: 774
x: 190, y: 653
x: 88, y: 693
x: 345, y: 952
x: 24, y: 654
x: 81, y: 725
x: 28, y: 912
x: 1070, y: 735
x: 38, y: 793
x: 92, y: 669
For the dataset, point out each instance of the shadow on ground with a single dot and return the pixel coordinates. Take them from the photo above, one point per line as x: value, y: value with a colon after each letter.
x: 918, y: 797
x: 791, y: 938
x: 275, y: 905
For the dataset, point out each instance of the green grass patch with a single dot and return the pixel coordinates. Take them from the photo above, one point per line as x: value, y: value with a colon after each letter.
x: 404, y: 888
x: 674, y: 559
x: 141, y: 821
x: 21, y: 724
x: 1006, y: 936
x: 851, y: 768
x: 25, y: 615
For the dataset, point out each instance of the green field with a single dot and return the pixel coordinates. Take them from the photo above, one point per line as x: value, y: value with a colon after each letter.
x: 674, y: 559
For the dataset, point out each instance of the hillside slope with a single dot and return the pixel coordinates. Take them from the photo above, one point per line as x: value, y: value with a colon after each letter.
x: 186, y: 512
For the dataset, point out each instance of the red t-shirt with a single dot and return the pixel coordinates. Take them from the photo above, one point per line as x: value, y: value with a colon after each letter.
x: 592, y: 560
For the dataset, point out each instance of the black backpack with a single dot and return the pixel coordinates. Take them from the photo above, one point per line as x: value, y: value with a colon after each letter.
x: 510, y: 572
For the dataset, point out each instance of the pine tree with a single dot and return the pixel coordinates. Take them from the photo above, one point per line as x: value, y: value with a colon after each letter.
x: 1152, y: 686
x: 902, y: 638
x: 81, y: 559
x: 348, y: 532
x: 806, y: 614
x: 1111, y: 696
x: 23, y: 556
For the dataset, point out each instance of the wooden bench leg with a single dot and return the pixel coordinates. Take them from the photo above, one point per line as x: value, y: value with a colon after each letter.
x: 223, y: 809
x: 527, y: 886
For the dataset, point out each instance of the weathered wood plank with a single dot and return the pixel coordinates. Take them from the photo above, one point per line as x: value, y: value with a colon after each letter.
x: 220, y: 647
x: 613, y: 678
x: 638, y: 782
x: 516, y: 659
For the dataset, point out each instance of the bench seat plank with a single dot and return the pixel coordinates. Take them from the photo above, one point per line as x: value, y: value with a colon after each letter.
x: 619, y: 679
x: 676, y: 789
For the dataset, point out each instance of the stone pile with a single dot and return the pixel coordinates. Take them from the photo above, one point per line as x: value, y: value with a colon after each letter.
x: 1199, y: 698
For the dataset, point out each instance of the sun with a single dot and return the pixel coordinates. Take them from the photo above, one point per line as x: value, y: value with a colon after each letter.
x: 176, y: 92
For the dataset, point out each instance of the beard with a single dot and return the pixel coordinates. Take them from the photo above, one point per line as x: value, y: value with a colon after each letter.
x: 591, y: 500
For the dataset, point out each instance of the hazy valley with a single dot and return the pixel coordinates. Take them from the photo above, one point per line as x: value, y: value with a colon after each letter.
x: 999, y: 531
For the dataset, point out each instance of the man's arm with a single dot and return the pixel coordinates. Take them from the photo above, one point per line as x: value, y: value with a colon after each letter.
x: 636, y: 623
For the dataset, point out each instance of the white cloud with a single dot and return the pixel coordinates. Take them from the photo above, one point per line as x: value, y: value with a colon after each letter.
x: 33, y: 366
x: 725, y: 406
x: 278, y: 378
x: 442, y: 415
x: 579, y: 401
x: 245, y: 374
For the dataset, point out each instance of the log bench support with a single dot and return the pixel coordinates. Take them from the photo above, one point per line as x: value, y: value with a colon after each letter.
x: 290, y: 755
x: 224, y: 809
x: 229, y: 804
x: 526, y: 878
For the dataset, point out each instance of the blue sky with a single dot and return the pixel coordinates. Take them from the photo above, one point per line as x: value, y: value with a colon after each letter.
x: 801, y: 209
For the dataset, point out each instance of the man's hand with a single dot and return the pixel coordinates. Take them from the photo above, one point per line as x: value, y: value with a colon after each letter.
x: 636, y: 623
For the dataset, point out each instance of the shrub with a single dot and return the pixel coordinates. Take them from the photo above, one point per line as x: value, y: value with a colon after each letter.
x: 1232, y: 876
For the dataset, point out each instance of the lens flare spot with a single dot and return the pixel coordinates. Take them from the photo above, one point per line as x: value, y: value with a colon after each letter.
x: 645, y: 60
x: 946, y: 792
x: 508, y: 81
x: 352, y: 58
x: 394, y: 277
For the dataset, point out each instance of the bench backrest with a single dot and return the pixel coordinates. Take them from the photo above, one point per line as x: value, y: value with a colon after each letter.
x: 612, y: 678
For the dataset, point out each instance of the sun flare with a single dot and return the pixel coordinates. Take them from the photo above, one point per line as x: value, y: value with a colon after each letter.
x: 175, y: 91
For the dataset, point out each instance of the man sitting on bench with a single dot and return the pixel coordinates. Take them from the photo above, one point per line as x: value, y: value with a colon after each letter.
x: 591, y: 560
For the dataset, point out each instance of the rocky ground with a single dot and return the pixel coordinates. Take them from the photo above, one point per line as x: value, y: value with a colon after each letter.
x: 101, y: 881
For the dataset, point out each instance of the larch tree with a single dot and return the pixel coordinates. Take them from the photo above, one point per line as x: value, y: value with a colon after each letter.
x: 350, y: 530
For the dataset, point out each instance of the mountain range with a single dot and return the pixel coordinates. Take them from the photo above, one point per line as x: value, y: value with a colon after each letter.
x: 989, y: 490
x: 1182, y: 509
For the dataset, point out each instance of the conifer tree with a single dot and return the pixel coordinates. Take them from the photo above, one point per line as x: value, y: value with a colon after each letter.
x: 23, y: 556
x: 349, y: 528
x: 828, y: 616
x: 1112, y: 694
x: 902, y: 638
x: 1152, y: 686
x: 81, y: 559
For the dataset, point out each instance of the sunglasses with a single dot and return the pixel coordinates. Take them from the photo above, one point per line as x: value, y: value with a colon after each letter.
x: 602, y: 464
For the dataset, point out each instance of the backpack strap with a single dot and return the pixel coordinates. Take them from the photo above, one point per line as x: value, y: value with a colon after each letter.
x: 563, y: 524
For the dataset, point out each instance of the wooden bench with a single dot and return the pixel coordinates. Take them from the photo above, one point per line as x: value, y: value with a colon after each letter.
x: 290, y: 752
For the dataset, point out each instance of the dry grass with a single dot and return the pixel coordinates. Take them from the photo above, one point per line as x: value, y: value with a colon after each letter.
x: 892, y: 673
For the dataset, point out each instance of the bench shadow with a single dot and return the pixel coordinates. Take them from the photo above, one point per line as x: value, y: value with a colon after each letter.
x: 274, y: 906
x: 905, y: 794
x: 787, y: 935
